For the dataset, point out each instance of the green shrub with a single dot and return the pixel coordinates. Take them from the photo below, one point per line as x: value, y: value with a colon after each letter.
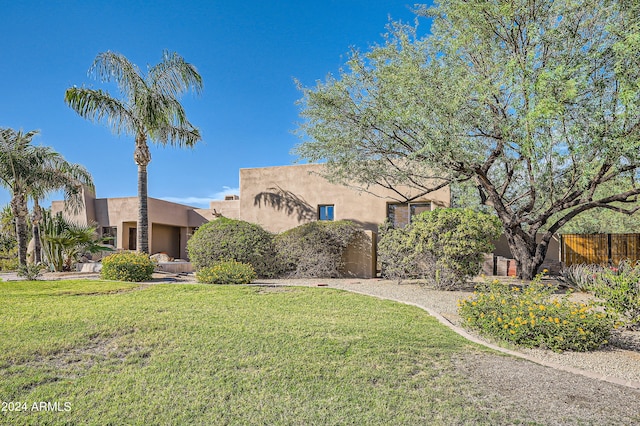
x: 534, y: 318
x: 229, y: 272
x: 228, y: 239
x: 315, y: 249
x: 619, y: 290
x: 9, y: 263
x: 443, y: 246
x: 127, y: 266
x: 30, y: 272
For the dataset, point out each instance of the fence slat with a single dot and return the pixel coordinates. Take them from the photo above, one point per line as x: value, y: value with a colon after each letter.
x: 600, y: 249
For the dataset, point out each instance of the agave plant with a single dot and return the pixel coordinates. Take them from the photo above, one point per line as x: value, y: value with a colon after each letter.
x: 63, y: 241
x: 581, y: 276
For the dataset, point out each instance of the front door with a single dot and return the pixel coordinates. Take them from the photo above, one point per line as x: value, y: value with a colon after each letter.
x: 133, y: 238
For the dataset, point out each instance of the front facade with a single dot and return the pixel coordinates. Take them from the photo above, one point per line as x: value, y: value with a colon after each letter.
x: 281, y: 198
x: 170, y: 224
x: 276, y: 198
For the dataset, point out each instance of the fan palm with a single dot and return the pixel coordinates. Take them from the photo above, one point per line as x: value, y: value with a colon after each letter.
x: 31, y: 172
x: 148, y: 109
x: 64, y: 241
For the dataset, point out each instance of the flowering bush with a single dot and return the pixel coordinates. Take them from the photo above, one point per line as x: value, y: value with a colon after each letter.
x: 619, y: 290
x: 127, y: 266
x: 532, y: 317
x: 228, y: 272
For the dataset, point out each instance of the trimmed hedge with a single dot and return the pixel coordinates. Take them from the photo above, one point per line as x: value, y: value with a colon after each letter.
x: 127, y: 266
x: 315, y: 249
x: 226, y: 239
x: 229, y: 272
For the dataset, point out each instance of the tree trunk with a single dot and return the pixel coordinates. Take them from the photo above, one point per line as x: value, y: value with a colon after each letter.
x: 528, y: 253
x: 19, y: 208
x: 143, y: 216
x: 35, y: 222
x: 142, y: 157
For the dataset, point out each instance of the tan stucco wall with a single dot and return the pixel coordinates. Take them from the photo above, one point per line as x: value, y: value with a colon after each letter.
x: 360, y: 256
x: 226, y: 208
x: 170, y: 223
x: 84, y: 215
x: 166, y: 239
x: 281, y: 198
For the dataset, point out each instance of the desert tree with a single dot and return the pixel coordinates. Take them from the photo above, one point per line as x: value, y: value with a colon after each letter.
x: 535, y: 103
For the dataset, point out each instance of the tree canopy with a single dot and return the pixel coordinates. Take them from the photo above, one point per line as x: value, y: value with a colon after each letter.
x: 535, y: 103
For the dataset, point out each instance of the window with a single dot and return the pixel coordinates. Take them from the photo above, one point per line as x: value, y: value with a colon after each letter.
x: 110, y: 235
x: 325, y: 212
x: 400, y: 214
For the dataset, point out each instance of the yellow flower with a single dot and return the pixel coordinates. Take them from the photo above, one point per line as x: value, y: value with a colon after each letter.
x: 542, y: 307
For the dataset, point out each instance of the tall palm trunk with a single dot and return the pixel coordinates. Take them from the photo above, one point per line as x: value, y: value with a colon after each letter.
x: 142, y: 157
x: 36, y: 218
x: 20, y: 212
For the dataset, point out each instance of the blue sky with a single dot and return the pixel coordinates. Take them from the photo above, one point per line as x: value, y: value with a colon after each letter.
x: 248, y: 53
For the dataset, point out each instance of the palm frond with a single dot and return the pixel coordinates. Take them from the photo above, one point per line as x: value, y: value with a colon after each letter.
x: 113, y: 66
x: 99, y: 106
x: 174, y: 76
x: 177, y: 136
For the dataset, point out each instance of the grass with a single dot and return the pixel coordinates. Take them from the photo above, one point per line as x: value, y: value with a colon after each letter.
x: 195, y: 354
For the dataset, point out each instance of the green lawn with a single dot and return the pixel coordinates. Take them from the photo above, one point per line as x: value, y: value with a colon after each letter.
x: 119, y: 353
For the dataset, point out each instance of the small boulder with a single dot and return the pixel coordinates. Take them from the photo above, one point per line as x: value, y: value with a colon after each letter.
x: 161, y: 257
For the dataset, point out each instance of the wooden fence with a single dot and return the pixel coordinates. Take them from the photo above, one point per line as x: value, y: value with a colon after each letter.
x: 601, y: 249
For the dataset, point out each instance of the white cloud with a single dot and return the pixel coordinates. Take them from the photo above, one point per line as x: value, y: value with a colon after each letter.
x: 226, y: 190
x: 203, y: 202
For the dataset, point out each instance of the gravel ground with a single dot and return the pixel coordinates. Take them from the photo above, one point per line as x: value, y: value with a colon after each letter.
x: 591, y: 392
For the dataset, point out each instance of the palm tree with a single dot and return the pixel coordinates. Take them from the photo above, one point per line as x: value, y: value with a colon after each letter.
x: 16, y: 154
x: 53, y: 174
x: 31, y: 172
x: 64, y: 241
x: 148, y: 108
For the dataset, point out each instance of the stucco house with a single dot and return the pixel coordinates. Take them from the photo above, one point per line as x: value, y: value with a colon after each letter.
x: 281, y: 198
x: 277, y: 198
x: 170, y: 224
